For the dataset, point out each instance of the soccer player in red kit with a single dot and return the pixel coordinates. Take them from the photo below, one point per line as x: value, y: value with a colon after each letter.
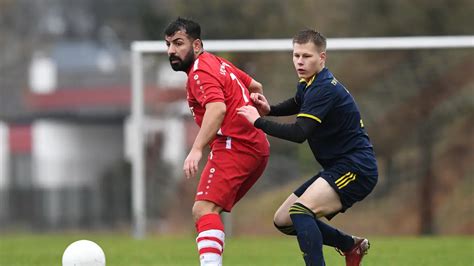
x: 239, y: 151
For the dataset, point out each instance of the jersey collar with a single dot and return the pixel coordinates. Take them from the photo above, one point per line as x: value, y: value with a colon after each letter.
x: 308, y: 83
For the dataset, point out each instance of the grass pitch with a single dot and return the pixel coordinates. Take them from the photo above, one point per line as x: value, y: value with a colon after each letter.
x: 124, y: 251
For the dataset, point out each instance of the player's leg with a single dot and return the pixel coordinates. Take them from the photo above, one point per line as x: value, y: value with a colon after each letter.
x: 324, y: 201
x: 210, y: 229
x: 318, y: 200
x: 331, y: 236
x: 209, y: 202
x: 352, y: 188
x: 282, y: 220
x: 225, y: 179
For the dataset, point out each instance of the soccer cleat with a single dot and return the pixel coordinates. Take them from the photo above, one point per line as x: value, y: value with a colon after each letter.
x: 357, y: 252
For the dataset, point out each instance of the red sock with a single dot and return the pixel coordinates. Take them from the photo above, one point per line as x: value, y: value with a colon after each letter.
x: 210, y: 239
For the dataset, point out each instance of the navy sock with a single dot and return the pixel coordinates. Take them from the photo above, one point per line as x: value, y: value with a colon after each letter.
x: 309, y: 237
x: 335, y: 238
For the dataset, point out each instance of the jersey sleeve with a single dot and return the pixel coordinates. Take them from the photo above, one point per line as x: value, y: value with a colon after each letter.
x: 206, y: 87
x: 317, y: 103
x: 242, y: 76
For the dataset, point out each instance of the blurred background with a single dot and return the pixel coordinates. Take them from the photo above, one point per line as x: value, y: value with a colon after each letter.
x: 65, y: 105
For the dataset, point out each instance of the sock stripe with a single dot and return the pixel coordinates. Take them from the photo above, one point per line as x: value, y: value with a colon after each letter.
x: 209, y: 244
x: 215, y: 239
x: 299, y: 208
x: 210, y: 250
x: 219, y: 234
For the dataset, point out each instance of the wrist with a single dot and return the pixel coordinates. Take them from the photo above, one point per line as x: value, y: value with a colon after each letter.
x: 258, y: 123
x: 198, y: 148
x: 270, y: 111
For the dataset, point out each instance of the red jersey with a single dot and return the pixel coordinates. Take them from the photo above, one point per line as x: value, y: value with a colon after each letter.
x: 214, y: 79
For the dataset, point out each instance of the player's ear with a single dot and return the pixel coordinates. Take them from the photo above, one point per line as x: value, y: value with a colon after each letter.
x: 323, y: 55
x: 197, y: 45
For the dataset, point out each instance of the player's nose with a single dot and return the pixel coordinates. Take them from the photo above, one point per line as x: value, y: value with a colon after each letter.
x: 171, y: 50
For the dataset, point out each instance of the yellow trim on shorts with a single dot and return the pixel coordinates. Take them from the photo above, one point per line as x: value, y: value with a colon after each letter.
x: 345, y: 180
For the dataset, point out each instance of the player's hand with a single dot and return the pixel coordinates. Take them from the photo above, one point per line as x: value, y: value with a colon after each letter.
x: 260, y: 103
x: 249, y: 112
x: 191, y: 163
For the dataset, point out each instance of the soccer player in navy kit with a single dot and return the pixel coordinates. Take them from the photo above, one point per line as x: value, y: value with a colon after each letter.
x: 329, y: 119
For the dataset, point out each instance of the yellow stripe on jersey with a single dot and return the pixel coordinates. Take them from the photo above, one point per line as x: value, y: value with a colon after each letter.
x: 309, y: 116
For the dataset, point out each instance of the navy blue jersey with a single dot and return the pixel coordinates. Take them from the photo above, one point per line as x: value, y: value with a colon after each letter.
x: 341, y: 137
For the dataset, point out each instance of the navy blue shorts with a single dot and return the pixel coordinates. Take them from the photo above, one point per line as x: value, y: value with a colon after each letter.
x: 349, y: 185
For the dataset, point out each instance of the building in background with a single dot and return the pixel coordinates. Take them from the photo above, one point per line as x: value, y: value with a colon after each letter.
x: 64, y: 160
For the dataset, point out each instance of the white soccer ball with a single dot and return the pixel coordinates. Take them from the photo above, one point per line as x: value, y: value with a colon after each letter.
x: 83, y: 253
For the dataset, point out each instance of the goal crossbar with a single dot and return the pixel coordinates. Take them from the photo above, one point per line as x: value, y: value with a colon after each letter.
x: 375, y: 43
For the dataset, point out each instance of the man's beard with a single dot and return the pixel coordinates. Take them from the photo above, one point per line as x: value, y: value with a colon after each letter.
x: 182, y: 65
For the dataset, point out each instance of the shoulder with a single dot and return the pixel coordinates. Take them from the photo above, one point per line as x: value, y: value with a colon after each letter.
x: 205, y: 63
x: 323, y: 88
x: 331, y: 84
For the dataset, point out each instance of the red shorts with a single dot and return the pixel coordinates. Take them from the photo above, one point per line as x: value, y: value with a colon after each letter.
x: 228, y: 175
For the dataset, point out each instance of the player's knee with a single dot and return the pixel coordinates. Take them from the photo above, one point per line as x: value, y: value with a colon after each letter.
x: 281, y: 218
x: 197, y: 211
x: 282, y: 222
x: 201, y: 208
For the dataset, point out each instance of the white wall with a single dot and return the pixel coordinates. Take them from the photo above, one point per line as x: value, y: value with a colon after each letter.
x: 174, y: 149
x: 70, y: 155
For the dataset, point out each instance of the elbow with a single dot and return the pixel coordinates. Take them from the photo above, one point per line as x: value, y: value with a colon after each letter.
x: 300, y: 134
x: 256, y: 87
x: 221, y: 111
x: 259, y: 87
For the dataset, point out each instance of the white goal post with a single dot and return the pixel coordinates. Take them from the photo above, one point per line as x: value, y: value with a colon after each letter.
x: 141, y: 48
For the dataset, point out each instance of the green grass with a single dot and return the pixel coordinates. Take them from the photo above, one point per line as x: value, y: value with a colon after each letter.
x: 122, y: 250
